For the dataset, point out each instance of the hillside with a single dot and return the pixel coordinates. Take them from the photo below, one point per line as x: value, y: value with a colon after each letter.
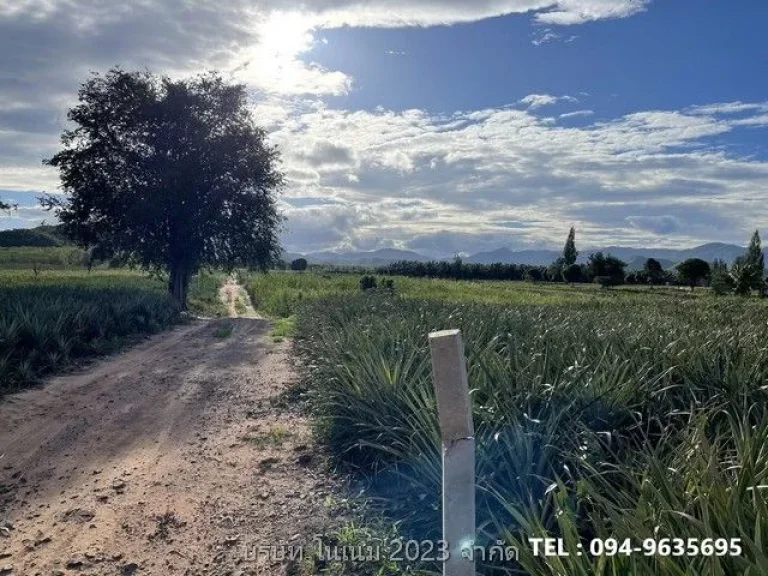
x: 40, y: 237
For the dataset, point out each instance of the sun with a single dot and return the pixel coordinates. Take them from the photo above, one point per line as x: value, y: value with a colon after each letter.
x: 285, y: 35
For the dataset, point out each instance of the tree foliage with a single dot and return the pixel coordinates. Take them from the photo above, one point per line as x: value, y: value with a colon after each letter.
x: 173, y: 173
x: 606, y: 270
x: 693, y: 271
x: 653, y: 271
x: 754, y: 254
x: 299, y: 265
x: 572, y: 273
x: 569, y: 251
x: 720, y: 281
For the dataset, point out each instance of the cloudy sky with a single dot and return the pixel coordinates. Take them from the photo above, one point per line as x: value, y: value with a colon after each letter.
x: 440, y: 125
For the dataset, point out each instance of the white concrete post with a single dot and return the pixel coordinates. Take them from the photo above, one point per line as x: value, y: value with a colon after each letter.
x: 455, y: 411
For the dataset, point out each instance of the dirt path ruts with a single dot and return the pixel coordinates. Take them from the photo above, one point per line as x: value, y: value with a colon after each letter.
x: 237, y: 300
x: 168, y: 459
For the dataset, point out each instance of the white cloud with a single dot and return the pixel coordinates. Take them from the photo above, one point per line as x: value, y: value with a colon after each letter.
x: 399, y: 13
x: 665, y: 224
x: 728, y: 108
x: 646, y: 177
x: 538, y: 100
x: 548, y: 35
x: 375, y: 178
x: 576, y: 114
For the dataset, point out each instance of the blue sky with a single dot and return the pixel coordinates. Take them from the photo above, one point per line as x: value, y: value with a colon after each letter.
x: 442, y: 125
x: 675, y: 54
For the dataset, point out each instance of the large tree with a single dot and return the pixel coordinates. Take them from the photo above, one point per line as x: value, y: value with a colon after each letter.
x: 174, y: 174
x: 693, y: 271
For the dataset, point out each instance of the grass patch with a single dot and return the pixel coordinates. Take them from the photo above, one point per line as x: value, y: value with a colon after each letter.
x: 203, y: 297
x: 275, y: 436
x: 284, y: 328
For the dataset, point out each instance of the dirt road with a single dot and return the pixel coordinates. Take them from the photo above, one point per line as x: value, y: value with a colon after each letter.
x: 172, y: 458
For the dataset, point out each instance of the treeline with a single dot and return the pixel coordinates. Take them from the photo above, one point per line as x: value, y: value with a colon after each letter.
x: 745, y: 275
x: 601, y: 268
x: 459, y: 270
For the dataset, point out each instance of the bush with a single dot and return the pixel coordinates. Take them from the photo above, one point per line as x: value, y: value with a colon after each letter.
x: 608, y: 281
x: 721, y: 283
x: 367, y: 283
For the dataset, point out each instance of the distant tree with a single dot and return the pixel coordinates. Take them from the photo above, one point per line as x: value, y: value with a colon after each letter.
x: 569, y: 251
x: 719, y: 265
x: 534, y: 274
x: 720, y: 281
x: 755, y: 258
x: 6, y: 207
x: 175, y: 173
x: 555, y: 270
x: 744, y: 276
x: 572, y: 273
x: 299, y: 265
x: 457, y: 267
x: 653, y: 271
x: 606, y: 270
x: 693, y: 271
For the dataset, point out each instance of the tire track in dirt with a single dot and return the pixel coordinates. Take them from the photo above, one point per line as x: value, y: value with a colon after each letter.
x: 171, y: 458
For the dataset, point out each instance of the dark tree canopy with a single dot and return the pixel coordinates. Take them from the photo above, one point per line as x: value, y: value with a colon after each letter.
x: 693, y: 271
x: 4, y: 206
x: 572, y: 273
x: 607, y: 270
x: 653, y: 271
x: 174, y: 174
x: 300, y: 264
x: 754, y: 254
x: 569, y: 251
x: 756, y: 259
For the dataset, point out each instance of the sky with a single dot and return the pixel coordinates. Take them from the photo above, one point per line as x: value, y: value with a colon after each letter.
x: 440, y: 126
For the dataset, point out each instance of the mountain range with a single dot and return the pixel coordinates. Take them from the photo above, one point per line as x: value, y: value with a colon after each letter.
x: 634, y: 257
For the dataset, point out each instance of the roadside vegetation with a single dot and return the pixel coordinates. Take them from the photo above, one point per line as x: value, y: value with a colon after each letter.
x: 631, y: 417
x: 52, y: 319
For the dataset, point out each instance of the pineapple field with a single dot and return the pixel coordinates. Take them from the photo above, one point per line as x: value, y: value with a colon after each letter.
x: 599, y: 414
x: 615, y: 415
x: 52, y: 319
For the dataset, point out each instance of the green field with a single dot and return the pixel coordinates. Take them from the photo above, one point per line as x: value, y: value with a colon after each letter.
x: 623, y: 414
x: 281, y: 294
x: 54, y: 318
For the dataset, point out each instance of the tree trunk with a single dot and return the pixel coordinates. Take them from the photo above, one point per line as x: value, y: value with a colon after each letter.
x: 177, y: 284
